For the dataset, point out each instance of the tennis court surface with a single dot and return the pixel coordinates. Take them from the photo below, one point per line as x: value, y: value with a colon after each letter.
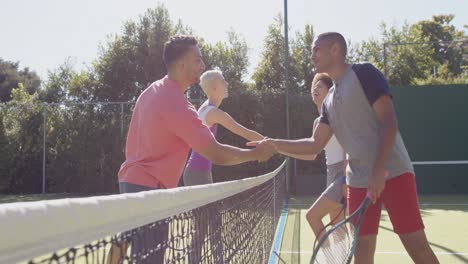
x: 445, y: 218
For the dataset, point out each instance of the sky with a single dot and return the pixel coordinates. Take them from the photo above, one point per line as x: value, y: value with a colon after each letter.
x: 43, y: 34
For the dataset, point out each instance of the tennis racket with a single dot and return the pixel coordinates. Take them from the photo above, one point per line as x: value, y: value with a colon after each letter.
x: 339, y: 243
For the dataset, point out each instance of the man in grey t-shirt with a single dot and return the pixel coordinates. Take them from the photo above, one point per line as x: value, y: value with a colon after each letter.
x: 359, y: 112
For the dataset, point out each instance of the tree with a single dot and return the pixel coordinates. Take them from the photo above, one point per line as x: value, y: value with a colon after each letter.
x: 11, y: 76
x: 230, y: 57
x: 402, y: 63
x: 301, y: 53
x: 22, y: 129
x: 132, y: 60
x: 448, y: 56
x: 57, y: 86
x: 407, y: 60
x: 269, y: 74
x: 5, y: 153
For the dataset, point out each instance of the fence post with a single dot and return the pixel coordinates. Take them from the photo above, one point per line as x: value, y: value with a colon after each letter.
x: 121, y: 119
x: 385, y: 60
x: 286, y: 83
x: 44, y: 133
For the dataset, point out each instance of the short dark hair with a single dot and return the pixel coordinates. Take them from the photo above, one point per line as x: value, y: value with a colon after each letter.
x: 335, y: 37
x: 324, y: 78
x: 176, y: 47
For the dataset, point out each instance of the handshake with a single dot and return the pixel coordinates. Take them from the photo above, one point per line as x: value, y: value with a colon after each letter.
x: 264, y: 149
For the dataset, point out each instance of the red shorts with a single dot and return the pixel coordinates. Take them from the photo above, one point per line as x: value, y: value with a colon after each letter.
x: 399, y: 197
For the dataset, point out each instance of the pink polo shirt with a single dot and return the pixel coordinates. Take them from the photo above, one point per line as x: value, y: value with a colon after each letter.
x: 164, y: 126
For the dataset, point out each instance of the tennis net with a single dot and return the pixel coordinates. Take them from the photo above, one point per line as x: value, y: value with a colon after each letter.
x: 229, y: 222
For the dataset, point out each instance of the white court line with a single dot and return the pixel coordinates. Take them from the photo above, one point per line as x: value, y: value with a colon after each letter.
x: 422, y: 204
x: 449, y: 162
x: 382, y: 253
x: 437, y: 253
x: 442, y: 204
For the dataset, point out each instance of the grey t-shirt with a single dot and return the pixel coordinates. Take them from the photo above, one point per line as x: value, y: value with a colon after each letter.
x: 348, y: 110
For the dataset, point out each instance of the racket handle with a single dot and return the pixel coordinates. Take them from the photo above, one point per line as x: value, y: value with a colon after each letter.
x: 369, y: 194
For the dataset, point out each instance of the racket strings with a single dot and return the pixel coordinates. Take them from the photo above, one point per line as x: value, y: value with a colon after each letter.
x: 337, y: 247
x: 330, y: 224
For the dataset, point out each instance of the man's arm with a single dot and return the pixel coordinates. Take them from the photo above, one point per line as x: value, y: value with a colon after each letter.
x: 377, y: 91
x: 388, y: 127
x: 304, y: 157
x: 305, y: 146
x: 185, y: 124
x: 221, y: 154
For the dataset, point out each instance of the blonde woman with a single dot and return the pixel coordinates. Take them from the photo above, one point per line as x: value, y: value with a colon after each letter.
x: 198, y: 168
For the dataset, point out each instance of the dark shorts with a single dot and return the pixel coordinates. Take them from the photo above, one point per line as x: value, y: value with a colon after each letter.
x: 125, y: 187
x: 143, y: 240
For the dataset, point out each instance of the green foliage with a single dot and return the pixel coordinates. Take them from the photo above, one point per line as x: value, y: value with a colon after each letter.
x: 302, y: 66
x: 269, y: 76
x: 5, y: 153
x: 84, y: 147
x: 11, y: 77
x: 129, y: 62
x: 231, y: 58
x: 410, y: 54
x: 21, y: 128
x: 440, y: 29
x: 57, y: 87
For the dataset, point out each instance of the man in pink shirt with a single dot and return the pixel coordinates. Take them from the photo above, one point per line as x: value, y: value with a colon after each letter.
x: 165, y: 125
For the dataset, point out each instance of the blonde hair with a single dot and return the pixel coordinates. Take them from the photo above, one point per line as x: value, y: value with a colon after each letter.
x: 208, y: 77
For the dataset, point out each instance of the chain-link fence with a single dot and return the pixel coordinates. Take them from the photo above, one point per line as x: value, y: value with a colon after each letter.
x: 60, y: 147
x: 79, y: 147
